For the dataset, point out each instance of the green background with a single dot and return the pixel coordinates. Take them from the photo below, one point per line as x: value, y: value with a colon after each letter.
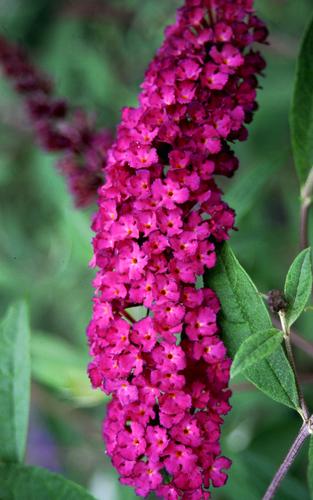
x: 97, y: 52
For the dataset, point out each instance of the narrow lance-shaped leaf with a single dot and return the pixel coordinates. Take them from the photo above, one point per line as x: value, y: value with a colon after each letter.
x: 255, y: 348
x: 62, y: 367
x: 310, y: 467
x: 14, y: 383
x: 244, y: 314
x: 301, y: 117
x: 298, y: 285
x: 244, y: 193
x: 34, y: 483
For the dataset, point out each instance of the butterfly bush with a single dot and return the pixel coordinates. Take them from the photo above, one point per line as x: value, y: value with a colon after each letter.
x: 58, y: 129
x: 160, y: 216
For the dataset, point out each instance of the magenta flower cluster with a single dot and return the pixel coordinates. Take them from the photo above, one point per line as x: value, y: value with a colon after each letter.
x: 160, y: 216
x: 59, y: 130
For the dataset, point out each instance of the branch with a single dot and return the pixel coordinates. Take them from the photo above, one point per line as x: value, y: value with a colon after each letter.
x: 305, y: 345
x: 304, y: 433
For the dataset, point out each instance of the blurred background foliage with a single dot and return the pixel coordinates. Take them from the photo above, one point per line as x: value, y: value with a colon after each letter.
x: 97, y: 52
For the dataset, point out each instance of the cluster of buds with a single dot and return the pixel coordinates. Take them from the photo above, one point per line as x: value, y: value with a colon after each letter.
x: 57, y: 128
x: 160, y: 215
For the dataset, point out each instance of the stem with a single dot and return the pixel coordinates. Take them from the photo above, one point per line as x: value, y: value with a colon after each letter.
x: 297, y: 340
x: 305, y: 432
x: 287, y: 337
x: 291, y: 358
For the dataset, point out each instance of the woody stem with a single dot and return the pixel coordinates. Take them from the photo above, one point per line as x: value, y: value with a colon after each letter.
x: 304, y: 433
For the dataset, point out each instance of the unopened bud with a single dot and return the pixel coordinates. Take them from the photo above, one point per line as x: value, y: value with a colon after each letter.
x: 277, y: 301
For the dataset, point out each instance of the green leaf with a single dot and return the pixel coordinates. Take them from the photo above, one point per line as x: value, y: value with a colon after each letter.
x: 310, y: 468
x: 60, y: 366
x: 243, y: 194
x: 34, y: 483
x: 255, y: 348
x: 244, y: 314
x: 298, y: 285
x: 301, y: 117
x: 14, y: 383
x: 137, y: 312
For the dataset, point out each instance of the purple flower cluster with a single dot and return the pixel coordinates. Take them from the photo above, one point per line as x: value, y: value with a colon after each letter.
x: 83, y: 149
x: 160, y: 215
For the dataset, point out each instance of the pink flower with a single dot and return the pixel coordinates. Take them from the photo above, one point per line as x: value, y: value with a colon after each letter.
x: 146, y: 477
x: 132, y: 261
x: 123, y: 466
x: 167, y: 290
x: 213, y: 78
x: 228, y: 58
x: 201, y: 322
x: 211, y: 349
x: 143, y: 157
x: 185, y: 245
x: 147, y: 222
x: 167, y: 380
x: 158, y: 440
x: 188, y: 70
x: 142, y: 291
x: 58, y: 127
x: 160, y: 217
x: 102, y: 311
x: 191, y: 481
x: 131, y: 442
x: 94, y: 375
x: 140, y: 411
x: 223, y: 32
x: 185, y: 91
x: 179, y: 459
x: 127, y: 393
x: 111, y: 286
x: 179, y: 159
x: 169, y: 313
x: 156, y: 243
x: 217, y: 476
x: 187, y: 432
x: 206, y: 256
x: 117, y: 337
x: 192, y: 298
x: 169, y: 357
x: 175, y: 403
x: 139, y: 185
x: 169, y: 193
x: 144, y: 334
x: 126, y: 227
x: 170, y: 221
